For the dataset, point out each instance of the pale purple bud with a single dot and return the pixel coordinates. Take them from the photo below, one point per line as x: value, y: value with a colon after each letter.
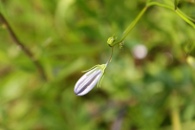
x: 89, y: 80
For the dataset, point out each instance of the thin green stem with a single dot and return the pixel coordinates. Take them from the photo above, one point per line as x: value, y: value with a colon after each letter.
x: 191, y: 19
x: 185, y: 18
x: 110, y: 58
x: 176, y: 10
x: 159, y: 5
x: 112, y: 40
x: 130, y: 27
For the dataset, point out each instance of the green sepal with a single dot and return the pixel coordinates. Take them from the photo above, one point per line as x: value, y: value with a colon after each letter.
x: 101, y: 67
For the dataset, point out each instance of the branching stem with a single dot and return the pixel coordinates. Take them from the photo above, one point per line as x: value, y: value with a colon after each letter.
x: 135, y: 21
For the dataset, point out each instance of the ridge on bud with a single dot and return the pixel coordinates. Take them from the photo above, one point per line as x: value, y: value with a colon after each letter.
x: 89, y: 80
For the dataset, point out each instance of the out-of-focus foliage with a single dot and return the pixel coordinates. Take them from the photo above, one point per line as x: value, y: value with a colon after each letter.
x: 68, y: 36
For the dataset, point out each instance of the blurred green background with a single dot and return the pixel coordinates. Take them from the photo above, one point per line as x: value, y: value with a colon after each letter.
x: 156, y: 92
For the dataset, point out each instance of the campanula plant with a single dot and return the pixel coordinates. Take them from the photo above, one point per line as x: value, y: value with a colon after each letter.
x: 93, y: 76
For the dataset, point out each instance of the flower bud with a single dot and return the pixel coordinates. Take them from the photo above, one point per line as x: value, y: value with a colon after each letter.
x: 89, y: 80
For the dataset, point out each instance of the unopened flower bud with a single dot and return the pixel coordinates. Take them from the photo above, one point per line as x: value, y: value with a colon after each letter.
x: 89, y: 80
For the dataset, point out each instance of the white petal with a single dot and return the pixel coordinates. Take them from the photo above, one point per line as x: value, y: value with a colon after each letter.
x: 84, y: 79
x: 85, y: 76
x: 90, y: 86
x: 87, y: 82
x: 81, y: 85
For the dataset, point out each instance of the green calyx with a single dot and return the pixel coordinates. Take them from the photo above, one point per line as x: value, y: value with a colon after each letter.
x: 101, y: 67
